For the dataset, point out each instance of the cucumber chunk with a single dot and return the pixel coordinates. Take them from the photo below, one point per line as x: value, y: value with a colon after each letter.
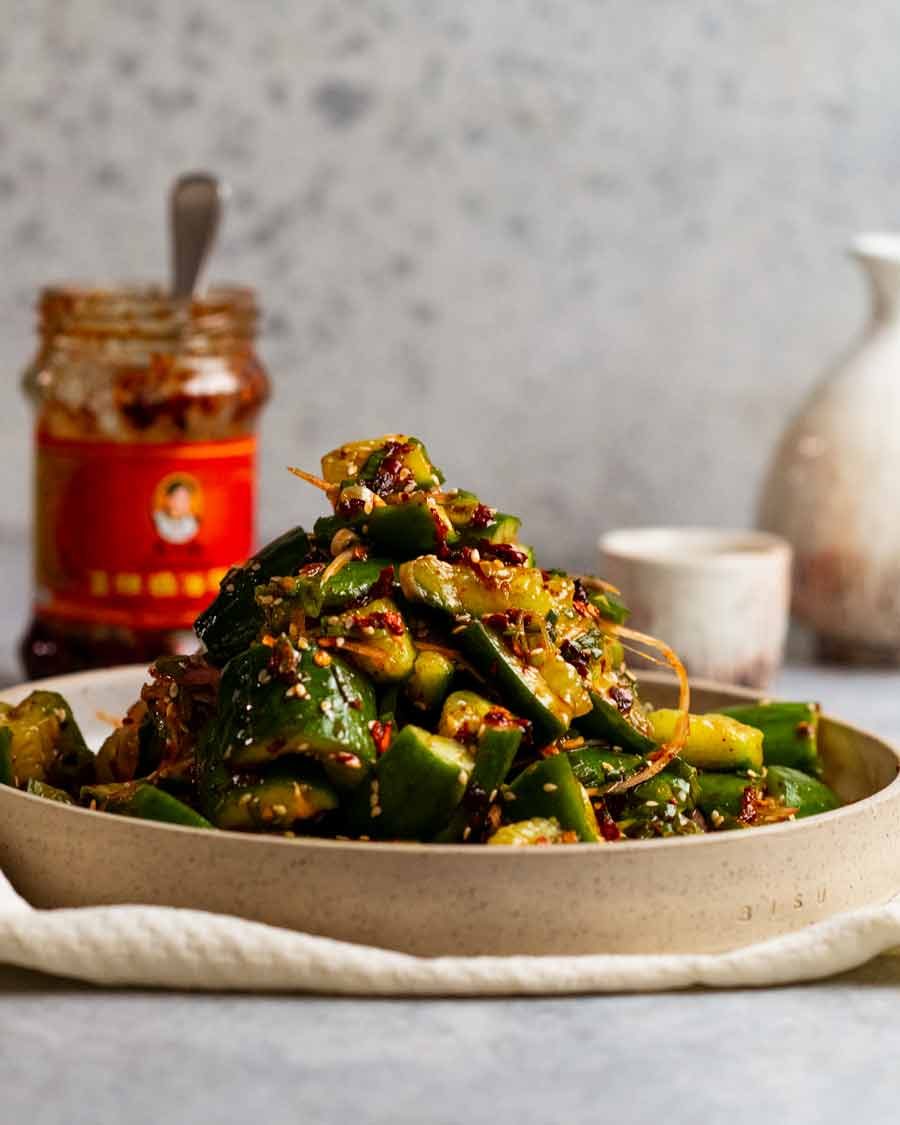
x: 363, y: 460
x: 430, y: 681
x: 496, y: 734
x: 277, y: 701
x: 714, y: 742
x: 283, y: 795
x: 549, y: 789
x: 383, y: 647
x: 49, y: 792
x: 723, y: 793
x: 144, y: 801
x: 797, y: 790
x: 523, y: 688
x: 527, y: 833
x: 420, y: 780
x: 606, y: 722
x: 790, y: 732
x: 285, y: 598
x: 44, y: 744
x: 233, y: 619
x: 491, y: 587
x: 596, y: 767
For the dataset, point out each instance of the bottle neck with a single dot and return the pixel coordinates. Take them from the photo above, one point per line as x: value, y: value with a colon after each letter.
x: 144, y: 319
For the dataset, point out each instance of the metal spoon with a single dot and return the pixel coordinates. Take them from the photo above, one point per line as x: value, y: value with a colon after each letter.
x: 195, y: 210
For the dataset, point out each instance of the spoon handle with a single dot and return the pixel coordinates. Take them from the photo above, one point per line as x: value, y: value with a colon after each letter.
x: 195, y: 210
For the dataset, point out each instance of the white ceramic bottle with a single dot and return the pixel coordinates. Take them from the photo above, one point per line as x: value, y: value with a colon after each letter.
x: 833, y: 489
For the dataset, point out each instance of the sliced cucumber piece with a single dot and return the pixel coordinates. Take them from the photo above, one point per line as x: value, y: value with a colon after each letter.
x: 596, y: 767
x: 283, y: 598
x: 382, y: 646
x: 233, y: 619
x: 277, y: 701
x: 527, y: 833
x: 723, y: 793
x: 797, y: 790
x: 284, y: 794
x: 714, y: 742
x: 430, y: 681
x: 419, y: 782
x: 606, y: 722
x: 522, y: 687
x: 789, y: 732
x: 142, y: 800
x: 489, y: 587
x: 549, y: 789
x: 49, y: 792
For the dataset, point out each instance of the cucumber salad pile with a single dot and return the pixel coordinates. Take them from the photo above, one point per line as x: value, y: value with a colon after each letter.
x: 405, y: 671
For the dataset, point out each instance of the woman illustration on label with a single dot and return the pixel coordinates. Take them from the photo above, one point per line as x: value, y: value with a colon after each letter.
x: 176, y: 506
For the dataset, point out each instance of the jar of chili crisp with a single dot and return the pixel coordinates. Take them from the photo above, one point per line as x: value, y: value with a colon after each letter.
x: 145, y: 468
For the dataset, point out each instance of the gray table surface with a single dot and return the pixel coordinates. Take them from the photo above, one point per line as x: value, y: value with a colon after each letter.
x: 817, y: 1053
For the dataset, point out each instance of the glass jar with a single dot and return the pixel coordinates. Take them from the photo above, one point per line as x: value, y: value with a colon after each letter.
x: 145, y: 458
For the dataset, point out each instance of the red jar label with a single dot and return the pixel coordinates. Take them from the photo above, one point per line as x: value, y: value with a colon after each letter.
x: 139, y: 535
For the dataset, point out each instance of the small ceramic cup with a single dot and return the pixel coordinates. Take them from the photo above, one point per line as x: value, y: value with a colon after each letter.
x: 719, y: 598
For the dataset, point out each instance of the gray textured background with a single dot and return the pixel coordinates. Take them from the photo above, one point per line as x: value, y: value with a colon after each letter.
x: 591, y: 252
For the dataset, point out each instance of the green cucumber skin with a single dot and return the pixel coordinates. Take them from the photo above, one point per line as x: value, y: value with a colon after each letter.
x: 417, y: 790
x: 494, y: 757
x: 610, y: 606
x: 259, y: 721
x: 233, y: 619
x: 429, y: 684
x: 596, y: 767
x: 566, y: 802
x: 795, y: 789
x: 144, y: 802
x: 723, y: 792
x: 351, y: 585
x: 6, y: 764
x: 503, y: 528
x: 241, y: 807
x: 404, y: 531
x: 677, y: 784
x: 398, y: 531
x: 789, y: 732
x: 606, y: 722
x: 489, y: 654
x: 48, y: 792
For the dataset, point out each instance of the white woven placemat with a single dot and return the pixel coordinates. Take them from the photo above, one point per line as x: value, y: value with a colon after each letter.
x: 189, y: 949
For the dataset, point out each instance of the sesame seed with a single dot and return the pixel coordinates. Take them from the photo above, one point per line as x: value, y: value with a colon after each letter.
x: 549, y: 787
x: 651, y: 804
x: 279, y: 810
x: 467, y: 832
x: 376, y: 810
x: 339, y: 642
x: 462, y: 777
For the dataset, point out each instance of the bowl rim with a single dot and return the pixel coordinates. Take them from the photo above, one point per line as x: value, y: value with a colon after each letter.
x: 624, y: 847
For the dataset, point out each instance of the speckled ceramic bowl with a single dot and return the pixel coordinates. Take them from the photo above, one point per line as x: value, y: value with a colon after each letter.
x: 695, y: 894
